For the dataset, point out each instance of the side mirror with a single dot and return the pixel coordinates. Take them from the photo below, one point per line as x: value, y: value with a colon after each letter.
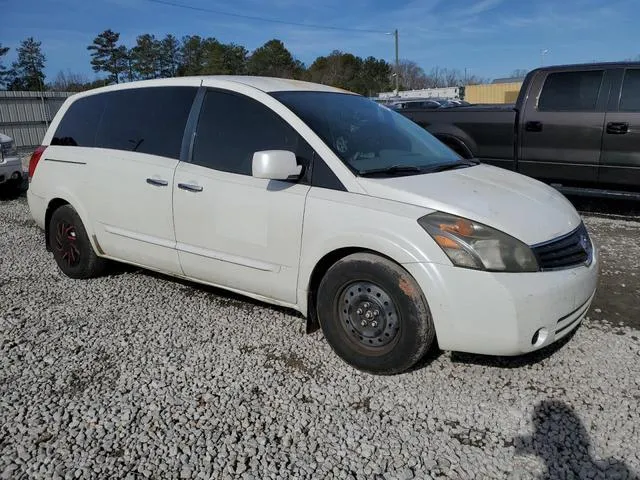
x: 275, y: 165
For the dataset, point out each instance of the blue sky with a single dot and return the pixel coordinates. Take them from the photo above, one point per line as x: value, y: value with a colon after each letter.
x: 490, y: 38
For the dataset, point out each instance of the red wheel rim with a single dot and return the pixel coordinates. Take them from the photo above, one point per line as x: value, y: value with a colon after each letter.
x: 67, y: 243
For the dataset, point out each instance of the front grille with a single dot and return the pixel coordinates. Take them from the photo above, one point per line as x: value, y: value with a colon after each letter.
x: 565, y: 252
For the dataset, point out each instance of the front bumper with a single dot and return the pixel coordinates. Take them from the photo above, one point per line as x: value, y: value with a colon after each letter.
x: 499, y: 313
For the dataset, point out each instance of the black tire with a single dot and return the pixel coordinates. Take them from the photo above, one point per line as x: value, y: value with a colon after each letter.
x: 402, y: 335
x: 71, y: 247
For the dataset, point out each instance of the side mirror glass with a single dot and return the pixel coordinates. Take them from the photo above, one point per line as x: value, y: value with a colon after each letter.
x: 275, y: 165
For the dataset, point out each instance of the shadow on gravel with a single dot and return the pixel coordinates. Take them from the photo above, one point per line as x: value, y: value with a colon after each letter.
x: 222, y: 296
x: 8, y: 194
x: 562, y: 442
x: 513, y: 362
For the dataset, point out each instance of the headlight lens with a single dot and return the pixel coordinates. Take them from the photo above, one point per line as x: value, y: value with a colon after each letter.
x: 473, y: 245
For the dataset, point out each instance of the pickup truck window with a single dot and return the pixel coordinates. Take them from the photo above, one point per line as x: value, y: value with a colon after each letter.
x: 571, y: 91
x: 630, y: 98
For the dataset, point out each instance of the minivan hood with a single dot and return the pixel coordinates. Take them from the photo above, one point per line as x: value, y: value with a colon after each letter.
x: 513, y: 203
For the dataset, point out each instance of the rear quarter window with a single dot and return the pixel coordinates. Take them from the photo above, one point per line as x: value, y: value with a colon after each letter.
x: 147, y: 120
x: 79, y: 123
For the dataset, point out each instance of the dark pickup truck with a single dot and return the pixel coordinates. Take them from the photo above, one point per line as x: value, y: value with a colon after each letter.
x: 576, y: 127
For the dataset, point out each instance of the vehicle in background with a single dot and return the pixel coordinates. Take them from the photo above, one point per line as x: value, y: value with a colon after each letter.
x: 11, y: 175
x: 428, y: 104
x: 453, y: 103
x: 310, y: 197
x: 576, y: 127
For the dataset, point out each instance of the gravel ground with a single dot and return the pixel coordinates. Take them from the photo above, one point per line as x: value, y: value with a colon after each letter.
x: 140, y: 376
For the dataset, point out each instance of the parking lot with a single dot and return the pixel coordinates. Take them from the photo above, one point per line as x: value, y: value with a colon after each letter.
x: 135, y: 375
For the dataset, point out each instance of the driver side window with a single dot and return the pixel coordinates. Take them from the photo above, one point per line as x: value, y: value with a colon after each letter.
x: 231, y: 127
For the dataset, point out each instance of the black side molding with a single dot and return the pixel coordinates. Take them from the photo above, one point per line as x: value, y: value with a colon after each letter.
x: 64, y: 161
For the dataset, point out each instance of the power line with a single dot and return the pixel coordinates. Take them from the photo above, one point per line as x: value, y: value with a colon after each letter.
x: 263, y: 19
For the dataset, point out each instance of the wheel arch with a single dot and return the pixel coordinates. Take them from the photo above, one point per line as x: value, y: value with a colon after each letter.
x: 454, y: 136
x: 60, y: 200
x: 456, y: 144
x: 318, y: 272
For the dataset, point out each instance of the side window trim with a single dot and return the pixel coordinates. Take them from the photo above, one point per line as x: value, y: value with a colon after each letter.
x: 615, y: 76
x: 189, y: 136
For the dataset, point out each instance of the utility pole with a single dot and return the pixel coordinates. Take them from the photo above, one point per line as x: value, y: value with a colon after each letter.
x: 395, y: 33
x: 543, y: 52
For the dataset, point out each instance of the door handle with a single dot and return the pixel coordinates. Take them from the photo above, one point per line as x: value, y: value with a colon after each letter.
x: 157, y: 182
x: 190, y: 187
x: 617, y: 128
x: 533, y: 126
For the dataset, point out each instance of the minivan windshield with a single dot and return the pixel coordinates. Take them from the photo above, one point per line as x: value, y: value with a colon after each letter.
x: 371, y: 139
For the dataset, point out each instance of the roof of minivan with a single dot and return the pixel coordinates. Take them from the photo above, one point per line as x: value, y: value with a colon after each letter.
x: 266, y: 84
x: 274, y: 84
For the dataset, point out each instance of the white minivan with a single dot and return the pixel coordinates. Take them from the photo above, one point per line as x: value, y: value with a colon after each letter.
x: 318, y: 199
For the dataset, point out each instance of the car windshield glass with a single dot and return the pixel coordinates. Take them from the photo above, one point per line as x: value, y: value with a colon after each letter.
x: 368, y: 136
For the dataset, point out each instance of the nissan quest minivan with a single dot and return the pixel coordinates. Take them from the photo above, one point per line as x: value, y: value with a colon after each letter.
x: 317, y: 199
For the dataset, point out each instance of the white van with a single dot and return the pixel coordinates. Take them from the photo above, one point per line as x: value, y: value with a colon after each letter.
x: 317, y: 199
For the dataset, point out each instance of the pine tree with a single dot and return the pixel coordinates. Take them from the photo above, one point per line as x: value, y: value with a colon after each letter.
x: 107, y: 56
x: 27, y: 72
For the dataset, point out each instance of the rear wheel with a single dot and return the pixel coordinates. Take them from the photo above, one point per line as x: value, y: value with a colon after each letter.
x: 374, y: 315
x: 71, y: 247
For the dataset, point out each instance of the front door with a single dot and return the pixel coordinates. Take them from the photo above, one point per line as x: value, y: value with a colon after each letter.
x: 232, y: 229
x: 561, y: 130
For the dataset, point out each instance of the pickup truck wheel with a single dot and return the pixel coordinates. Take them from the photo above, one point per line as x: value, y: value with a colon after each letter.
x: 374, y: 315
x: 71, y: 247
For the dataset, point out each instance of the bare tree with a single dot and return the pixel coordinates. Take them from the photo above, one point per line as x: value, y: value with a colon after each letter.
x: 412, y: 77
x: 69, y: 82
x: 519, y: 73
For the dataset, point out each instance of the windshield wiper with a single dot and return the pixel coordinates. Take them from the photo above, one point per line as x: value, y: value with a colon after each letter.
x: 453, y: 166
x: 391, y: 170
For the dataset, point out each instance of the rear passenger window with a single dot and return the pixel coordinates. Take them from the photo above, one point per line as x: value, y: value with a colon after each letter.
x: 630, y: 98
x: 147, y: 120
x: 571, y: 91
x: 232, y: 127
x: 80, y: 122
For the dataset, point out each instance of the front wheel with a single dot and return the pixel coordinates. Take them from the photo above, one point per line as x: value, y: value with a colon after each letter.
x: 374, y: 315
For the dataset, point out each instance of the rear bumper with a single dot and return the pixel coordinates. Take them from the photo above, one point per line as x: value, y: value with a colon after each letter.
x: 37, y: 207
x: 499, y: 313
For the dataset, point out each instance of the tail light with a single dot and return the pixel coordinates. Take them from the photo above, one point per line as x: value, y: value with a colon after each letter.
x: 35, y: 158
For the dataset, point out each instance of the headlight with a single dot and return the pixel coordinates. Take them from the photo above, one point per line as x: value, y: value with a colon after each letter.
x: 473, y: 245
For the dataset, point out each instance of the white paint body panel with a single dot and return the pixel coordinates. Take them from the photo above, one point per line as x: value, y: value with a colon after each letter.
x: 264, y: 238
x: 239, y: 231
x: 131, y: 218
x: 520, y: 206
